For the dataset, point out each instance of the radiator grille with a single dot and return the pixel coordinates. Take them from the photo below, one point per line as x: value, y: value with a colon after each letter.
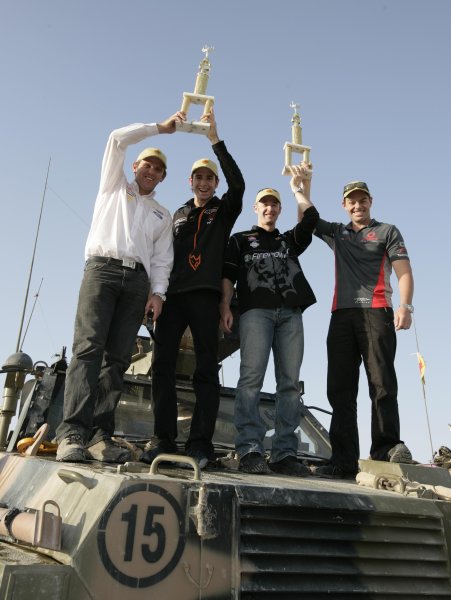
x: 291, y: 552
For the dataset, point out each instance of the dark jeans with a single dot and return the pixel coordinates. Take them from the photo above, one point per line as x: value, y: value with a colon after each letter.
x: 110, y: 311
x: 354, y: 335
x: 199, y: 310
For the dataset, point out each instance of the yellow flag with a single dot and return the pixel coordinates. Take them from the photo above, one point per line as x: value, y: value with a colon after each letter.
x: 422, y: 367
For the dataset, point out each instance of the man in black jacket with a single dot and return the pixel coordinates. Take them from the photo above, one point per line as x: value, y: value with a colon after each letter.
x: 202, y: 227
x: 272, y: 294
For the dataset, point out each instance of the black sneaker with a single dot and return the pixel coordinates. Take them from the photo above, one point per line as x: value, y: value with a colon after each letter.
x: 150, y: 455
x: 253, y: 462
x: 400, y: 454
x: 290, y: 466
x: 199, y: 456
x: 334, y: 472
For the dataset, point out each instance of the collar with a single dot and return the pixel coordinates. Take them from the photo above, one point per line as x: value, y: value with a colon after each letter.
x: 191, y: 204
x: 135, y: 188
x: 372, y: 223
x: 274, y: 232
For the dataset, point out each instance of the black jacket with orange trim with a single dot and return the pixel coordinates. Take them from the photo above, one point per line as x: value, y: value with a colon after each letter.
x: 201, y: 233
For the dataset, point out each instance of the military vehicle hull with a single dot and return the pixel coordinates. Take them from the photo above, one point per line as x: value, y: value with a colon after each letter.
x: 112, y: 532
x: 129, y: 533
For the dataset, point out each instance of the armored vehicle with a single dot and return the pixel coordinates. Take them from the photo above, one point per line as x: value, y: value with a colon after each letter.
x: 170, y: 531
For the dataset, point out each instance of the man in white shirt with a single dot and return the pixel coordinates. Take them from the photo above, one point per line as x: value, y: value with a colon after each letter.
x: 129, y: 256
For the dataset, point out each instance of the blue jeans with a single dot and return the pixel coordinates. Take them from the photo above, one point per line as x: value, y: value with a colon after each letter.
x: 261, y: 330
x: 110, y: 311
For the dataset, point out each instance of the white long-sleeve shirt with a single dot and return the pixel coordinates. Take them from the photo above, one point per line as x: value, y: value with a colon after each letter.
x: 126, y: 224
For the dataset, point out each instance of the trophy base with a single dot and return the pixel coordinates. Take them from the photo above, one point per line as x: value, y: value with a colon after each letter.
x: 193, y: 127
x: 294, y: 148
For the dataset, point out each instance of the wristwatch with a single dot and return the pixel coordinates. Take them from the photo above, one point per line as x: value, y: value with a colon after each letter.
x: 160, y: 295
x: 408, y: 306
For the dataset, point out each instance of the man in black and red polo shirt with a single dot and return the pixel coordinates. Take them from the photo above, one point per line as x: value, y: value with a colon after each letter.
x: 363, y: 327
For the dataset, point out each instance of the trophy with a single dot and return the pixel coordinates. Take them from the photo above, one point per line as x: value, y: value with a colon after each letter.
x: 198, y: 97
x: 296, y: 141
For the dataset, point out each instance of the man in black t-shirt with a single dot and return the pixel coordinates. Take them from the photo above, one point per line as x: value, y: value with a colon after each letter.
x: 272, y: 293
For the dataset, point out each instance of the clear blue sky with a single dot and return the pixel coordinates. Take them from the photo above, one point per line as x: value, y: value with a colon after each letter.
x: 373, y: 81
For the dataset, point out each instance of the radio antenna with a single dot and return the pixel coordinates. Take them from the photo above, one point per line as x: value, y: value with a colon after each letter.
x: 32, y: 261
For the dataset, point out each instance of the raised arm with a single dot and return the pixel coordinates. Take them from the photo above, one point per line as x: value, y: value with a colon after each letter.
x: 169, y: 125
x: 233, y: 198
x: 300, y: 183
x: 113, y: 159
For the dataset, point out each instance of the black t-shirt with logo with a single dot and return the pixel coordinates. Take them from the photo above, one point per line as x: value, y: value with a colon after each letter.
x: 265, y: 266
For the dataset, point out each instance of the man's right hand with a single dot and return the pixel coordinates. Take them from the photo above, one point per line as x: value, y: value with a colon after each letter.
x: 300, y: 175
x: 226, y: 320
x: 169, y: 125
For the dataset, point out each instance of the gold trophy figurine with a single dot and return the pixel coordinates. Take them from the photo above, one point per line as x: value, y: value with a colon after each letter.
x: 198, y: 97
x: 296, y: 141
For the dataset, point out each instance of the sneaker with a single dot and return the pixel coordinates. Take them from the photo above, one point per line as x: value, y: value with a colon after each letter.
x: 290, y: 466
x: 442, y: 458
x: 108, y: 452
x: 199, y: 456
x: 400, y: 454
x: 71, y: 449
x: 334, y: 472
x: 150, y: 455
x: 253, y: 462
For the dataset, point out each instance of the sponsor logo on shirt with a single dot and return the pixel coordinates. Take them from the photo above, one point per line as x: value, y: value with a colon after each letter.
x: 263, y: 255
x: 211, y: 214
x: 401, y: 250
x: 371, y: 236
x: 131, y: 194
x: 158, y: 213
x: 362, y: 301
x: 178, y: 224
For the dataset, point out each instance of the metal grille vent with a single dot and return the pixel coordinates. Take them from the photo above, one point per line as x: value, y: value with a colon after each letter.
x: 293, y: 552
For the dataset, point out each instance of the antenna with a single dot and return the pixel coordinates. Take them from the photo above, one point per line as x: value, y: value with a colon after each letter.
x: 32, y: 261
x: 423, y: 386
x: 36, y: 296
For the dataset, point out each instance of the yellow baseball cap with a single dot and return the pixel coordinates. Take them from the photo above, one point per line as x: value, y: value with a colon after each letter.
x: 205, y: 162
x: 268, y: 192
x: 353, y: 186
x: 156, y: 152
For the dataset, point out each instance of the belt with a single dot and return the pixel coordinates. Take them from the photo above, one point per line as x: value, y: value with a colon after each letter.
x: 125, y: 263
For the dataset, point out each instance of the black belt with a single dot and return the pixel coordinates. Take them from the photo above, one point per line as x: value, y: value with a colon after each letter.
x: 125, y: 263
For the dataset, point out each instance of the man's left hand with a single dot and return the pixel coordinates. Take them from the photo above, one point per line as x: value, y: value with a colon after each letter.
x: 154, y: 305
x: 402, y: 318
x: 213, y: 132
